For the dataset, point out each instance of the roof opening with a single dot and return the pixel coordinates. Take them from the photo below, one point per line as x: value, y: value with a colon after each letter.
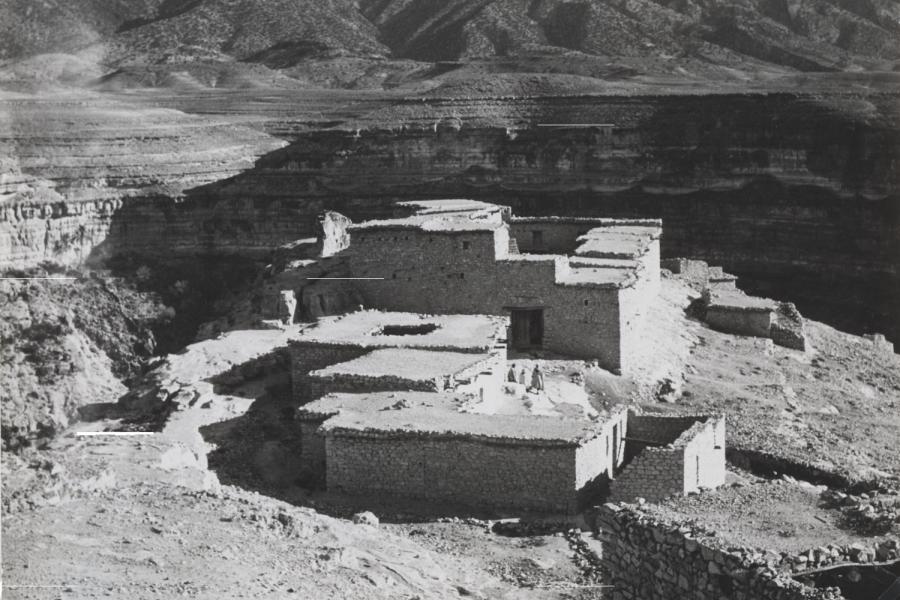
x: 407, y: 329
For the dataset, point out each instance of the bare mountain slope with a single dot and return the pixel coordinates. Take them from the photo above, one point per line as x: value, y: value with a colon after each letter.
x: 812, y: 35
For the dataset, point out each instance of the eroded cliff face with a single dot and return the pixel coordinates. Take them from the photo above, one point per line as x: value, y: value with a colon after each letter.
x: 796, y: 194
x: 69, y: 165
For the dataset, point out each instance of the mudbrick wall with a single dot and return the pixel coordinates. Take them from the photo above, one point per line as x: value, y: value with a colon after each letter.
x: 649, y: 559
x: 457, y: 469
x: 670, y: 455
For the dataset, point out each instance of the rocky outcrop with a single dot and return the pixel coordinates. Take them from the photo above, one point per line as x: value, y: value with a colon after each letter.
x: 65, y: 344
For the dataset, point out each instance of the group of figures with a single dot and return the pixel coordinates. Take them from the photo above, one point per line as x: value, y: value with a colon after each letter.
x: 520, y: 375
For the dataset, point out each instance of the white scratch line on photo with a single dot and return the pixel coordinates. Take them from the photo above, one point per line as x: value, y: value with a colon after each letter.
x: 95, y: 433
x: 345, y: 277
x: 39, y: 278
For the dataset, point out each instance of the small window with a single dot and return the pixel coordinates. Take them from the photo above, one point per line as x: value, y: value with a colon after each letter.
x: 394, y: 276
x: 586, y: 302
x: 466, y: 245
x: 537, y: 238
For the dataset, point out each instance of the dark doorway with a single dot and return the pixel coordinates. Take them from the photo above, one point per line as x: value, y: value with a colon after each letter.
x: 527, y: 328
x: 615, y: 451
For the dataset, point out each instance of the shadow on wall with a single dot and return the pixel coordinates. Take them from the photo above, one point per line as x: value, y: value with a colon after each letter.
x: 859, y: 582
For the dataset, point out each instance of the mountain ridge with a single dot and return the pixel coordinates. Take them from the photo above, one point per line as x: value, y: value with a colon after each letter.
x: 802, y: 35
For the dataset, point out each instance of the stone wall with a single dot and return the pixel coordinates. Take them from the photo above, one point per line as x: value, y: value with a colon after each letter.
x: 471, y: 273
x: 648, y: 559
x: 653, y: 474
x: 635, y: 303
x: 306, y: 357
x: 318, y: 386
x: 558, y: 235
x: 670, y: 456
x: 312, y: 445
x: 741, y: 321
x: 454, y: 469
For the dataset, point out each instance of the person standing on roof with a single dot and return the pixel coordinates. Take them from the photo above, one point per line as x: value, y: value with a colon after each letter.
x: 537, y: 378
x: 522, y: 376
x: 511, y: 376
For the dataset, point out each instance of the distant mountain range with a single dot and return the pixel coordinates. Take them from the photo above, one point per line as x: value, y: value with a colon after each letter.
x: 804, y: 35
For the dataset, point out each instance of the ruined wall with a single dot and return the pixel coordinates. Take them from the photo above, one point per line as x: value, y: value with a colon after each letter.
x: 741, y: 321
x: 654, y: 474
x: 456, y: 272
x: 465, y: 470
x: 648, y: 559
x: 659, y: 429
x: 704, y: 455
x: 670, y: 456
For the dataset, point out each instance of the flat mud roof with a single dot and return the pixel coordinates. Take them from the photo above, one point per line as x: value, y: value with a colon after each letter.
x: 434, y: 421
x: 405, y: 363
x: 366, y: 329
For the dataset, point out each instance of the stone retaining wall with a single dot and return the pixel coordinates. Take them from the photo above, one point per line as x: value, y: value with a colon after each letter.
x: 648, y: 559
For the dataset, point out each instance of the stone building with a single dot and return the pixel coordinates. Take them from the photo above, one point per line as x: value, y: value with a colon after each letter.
x: 670, y: 455
x: 579, y: 287
x: 420, y: 445
x: 393, y: 405
x: 410, y: 396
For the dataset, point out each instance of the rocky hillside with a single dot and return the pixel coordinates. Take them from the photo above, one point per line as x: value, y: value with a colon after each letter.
x: 809, y: 35
x: 67, y: 343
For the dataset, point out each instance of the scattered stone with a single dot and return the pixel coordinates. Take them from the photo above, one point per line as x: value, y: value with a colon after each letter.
x: 365, y: 518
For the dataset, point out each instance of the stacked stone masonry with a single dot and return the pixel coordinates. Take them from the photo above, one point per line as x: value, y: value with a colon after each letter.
x: 668, y: 456
x: 593, y: 305
x: 648, y: 559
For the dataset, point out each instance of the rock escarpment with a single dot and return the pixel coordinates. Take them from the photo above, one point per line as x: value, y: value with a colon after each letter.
x: 72, y: 164
x: 796, y: 194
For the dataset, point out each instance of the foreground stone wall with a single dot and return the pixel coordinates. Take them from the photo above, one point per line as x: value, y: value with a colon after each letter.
x: 648, y: 559
x: 456, y: 469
